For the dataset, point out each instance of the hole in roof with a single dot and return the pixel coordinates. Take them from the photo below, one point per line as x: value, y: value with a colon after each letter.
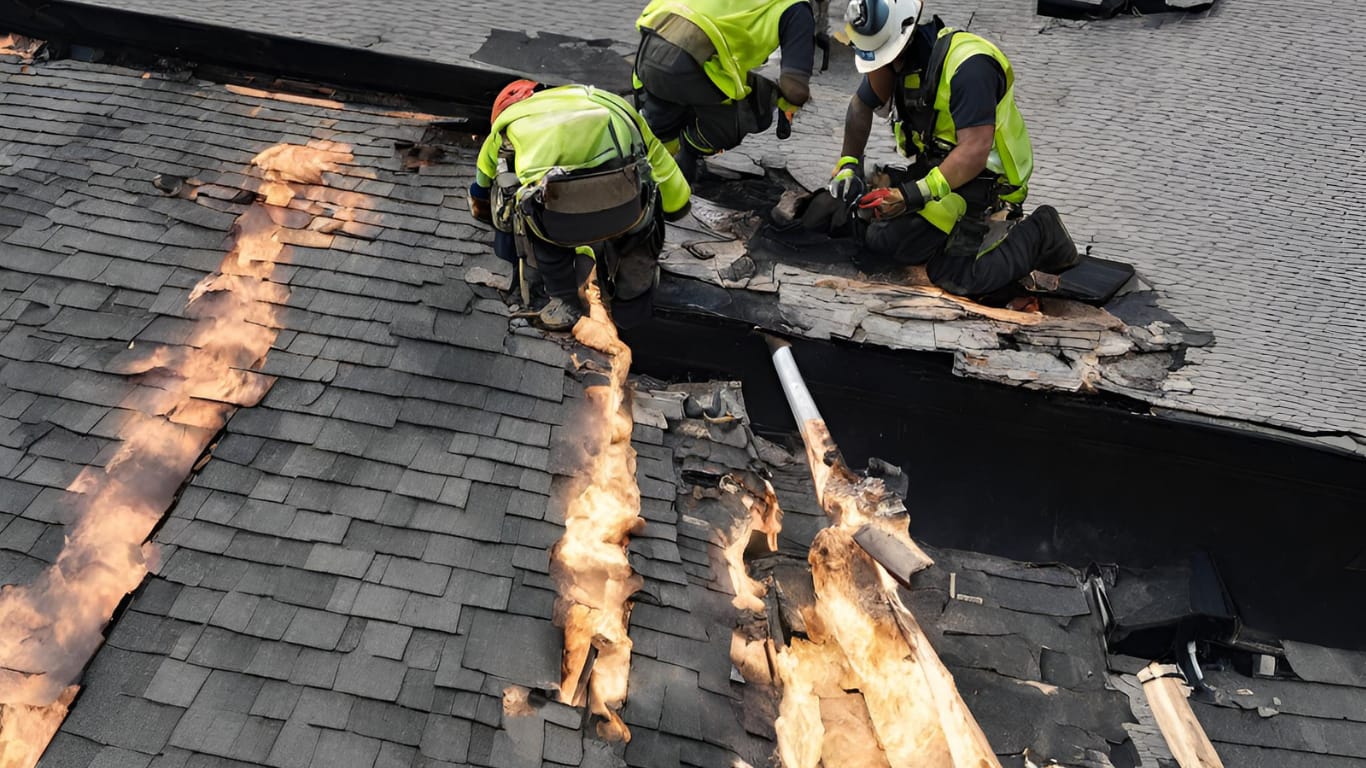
x: 433, y: 148
x: 1104, y: 9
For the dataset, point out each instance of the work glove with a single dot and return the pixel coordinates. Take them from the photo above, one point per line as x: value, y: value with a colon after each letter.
x: 915, y: 194
x: 846, y: 181
x: 481, y: 209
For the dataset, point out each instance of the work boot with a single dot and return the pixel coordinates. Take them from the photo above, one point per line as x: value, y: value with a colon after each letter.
x: 1057, y: 252
x: 558, y: 314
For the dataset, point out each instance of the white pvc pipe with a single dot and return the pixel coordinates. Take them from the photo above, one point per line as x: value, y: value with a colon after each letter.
x: 798, y: 396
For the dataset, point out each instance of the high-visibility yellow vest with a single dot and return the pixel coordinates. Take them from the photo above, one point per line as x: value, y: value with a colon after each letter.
x: 743, y: 32
x: 575, y: 127
x: 1011, y: 158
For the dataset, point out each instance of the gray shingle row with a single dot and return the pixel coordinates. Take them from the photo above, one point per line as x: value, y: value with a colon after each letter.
x: 1229, y: 129
x: 365, y: 552
x: 323, y: 561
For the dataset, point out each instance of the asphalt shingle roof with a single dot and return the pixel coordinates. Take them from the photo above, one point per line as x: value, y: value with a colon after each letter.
x: 359, y: 570
x: 1170, y: 142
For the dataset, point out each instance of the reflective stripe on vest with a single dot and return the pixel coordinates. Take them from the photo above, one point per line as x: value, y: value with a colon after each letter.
x: 1011, y: 157
x: 744, y: 33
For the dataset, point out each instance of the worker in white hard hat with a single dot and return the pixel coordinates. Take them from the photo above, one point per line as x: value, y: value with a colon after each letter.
x: 956, y: 208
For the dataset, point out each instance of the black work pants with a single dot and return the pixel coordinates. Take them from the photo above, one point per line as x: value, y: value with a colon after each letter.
x: 554, y: 263
x: 627, y: 267
x: 679, y: 100
x: 953, y: 262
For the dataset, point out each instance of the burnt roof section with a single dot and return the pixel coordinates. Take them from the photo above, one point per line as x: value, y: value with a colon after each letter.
x: 1023, y: 642
x: 1312, y: 713
x: 760, y: 267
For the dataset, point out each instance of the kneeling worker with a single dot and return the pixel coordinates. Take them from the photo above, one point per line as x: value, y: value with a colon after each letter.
x: 693, y: 70
x: 568, y: 168
x: 952, y: 94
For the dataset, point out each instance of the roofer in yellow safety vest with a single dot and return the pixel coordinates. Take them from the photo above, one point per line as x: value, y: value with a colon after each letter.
x: 953, y: 99
x: 575, y: 170
x: 694, y: 70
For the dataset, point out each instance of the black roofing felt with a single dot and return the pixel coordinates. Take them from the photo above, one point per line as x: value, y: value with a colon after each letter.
x: 360, y: 568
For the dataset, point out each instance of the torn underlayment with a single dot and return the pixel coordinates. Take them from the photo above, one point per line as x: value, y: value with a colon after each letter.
x: 744, y: 265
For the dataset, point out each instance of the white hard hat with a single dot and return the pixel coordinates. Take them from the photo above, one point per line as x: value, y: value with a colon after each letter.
x: 880, y: 30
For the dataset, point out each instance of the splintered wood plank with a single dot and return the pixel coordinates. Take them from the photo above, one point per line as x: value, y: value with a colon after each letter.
x: 913, y: 703
x: 862, y: 634
x: 1169, y: 699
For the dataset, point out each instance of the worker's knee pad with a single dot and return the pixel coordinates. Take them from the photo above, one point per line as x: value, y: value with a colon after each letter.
x: 724, y: 126
x: 666, y: 119
x: 633, y: 260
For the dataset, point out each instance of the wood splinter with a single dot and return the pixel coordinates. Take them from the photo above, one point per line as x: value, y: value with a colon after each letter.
x: 869, y: 641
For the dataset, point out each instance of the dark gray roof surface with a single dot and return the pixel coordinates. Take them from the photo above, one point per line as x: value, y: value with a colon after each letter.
x: 1170, y: 142
x: 1313, y: 714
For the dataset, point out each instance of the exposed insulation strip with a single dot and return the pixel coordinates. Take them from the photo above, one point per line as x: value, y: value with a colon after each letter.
x: 52, y: 626
x: 589, y: 563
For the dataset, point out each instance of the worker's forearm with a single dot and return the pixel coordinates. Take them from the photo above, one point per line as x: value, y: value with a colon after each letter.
x: 858, y: 123
x: 959, y: 167
x: 966, y: 161
x: 795, y: 87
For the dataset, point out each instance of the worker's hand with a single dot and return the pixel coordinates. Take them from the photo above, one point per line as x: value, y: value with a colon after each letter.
x: 680, y: 213
x: 884, y: 203
x: 846, y: 181
x: 481, y: 209
x: 912, y: 196
x: 932, y: 187
x: 786, y: 112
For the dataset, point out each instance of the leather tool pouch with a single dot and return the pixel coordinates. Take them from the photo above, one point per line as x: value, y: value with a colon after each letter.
x: 590, y: 205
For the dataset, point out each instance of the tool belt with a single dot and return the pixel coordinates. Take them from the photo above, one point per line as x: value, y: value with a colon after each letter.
x: 506, y: 185
x: 572, y: 208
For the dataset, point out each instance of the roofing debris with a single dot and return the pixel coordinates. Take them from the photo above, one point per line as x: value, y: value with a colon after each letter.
x: 1130, y: 346
x: 25, y: 48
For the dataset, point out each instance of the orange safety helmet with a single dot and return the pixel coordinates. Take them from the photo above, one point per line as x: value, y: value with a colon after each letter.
x: 512, y: 93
